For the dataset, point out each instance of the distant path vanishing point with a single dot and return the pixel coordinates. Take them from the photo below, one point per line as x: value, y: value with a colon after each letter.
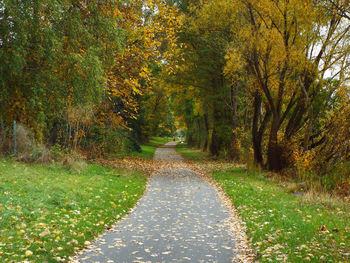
x: 179, y: 219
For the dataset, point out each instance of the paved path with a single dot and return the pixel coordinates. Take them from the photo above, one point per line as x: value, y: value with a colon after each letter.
x: 179, y: 219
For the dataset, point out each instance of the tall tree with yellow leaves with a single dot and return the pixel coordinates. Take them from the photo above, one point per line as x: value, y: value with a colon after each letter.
x: 288, y: 47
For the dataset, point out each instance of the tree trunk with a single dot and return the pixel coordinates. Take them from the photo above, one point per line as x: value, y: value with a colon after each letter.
x: 206, y: 126
x: 310, y: 111
x: 258, y: 132
x: 190, y: 139
x: 53, y: 133
x: 214, y: 148
x: 257, y: 140
x: 234, y: 149
x: 273, y: 152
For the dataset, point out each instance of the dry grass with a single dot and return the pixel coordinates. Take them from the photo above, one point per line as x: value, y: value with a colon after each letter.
x: 74, y: 162
x: 326, y: 199
x: 310, y: 191
x: 25, y: 142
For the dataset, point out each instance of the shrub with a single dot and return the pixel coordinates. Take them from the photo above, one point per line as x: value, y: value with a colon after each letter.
x: 338, y: 179
x: 25, y: 146
x: 74, y: 162
x: 25, y: 142
x: 117, y: 142
x: 37, y: 154
x: 343, y: 189
x: 58, y: 152
x: 109, y: 142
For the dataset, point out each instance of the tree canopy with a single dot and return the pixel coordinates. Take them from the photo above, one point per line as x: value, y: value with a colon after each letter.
x: 267, y: 79
x: 263, y: 80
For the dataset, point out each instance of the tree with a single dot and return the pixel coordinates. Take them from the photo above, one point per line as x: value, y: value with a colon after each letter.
x: 279, y: 48
x: 60, y: 56
x: 271, y: 67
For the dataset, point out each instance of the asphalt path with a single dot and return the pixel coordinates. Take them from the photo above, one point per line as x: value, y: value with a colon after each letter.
x: 179, y: 219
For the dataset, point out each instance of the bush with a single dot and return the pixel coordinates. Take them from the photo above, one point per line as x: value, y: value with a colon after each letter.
x: 100, y: 143
x: 58, y: 152
x: 26, y: 148
x: 37, y: 154
x: 25, y: 141
x: 74, y: 162
x: 133, y: 145
x: 338, y: 179
x: 117, y: 142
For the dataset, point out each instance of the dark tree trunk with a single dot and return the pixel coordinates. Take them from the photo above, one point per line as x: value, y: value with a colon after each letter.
x: 206, y: 126
x: 295, y: 120
x: 257, y: 140
x: 258, y: 132
x: 274, y: 151
x: 190, y: 139
x: 302, y: 107
x: 215, y: 144
x: 54, y: 134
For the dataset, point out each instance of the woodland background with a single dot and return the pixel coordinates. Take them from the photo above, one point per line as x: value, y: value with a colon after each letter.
x: 259, y: 82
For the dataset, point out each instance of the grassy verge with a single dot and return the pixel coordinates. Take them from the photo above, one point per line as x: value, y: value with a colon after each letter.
x: 149, y: 148
x: 190, y: 153
x: 284, y: 227
x: 47, y: 213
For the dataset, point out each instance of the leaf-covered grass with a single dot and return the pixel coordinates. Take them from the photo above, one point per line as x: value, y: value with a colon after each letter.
x: 190, y: 153
x: 283, y: 227
x: 149, y: 148
x: 47, y: 213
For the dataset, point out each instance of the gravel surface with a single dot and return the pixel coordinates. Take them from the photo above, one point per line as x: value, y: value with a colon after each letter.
x: 179, y: 219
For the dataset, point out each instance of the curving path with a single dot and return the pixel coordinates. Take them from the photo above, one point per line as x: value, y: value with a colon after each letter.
x: 179, y: 219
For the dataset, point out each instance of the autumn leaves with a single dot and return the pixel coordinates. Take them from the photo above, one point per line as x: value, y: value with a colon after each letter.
x: 264, y: 79
x: 74, y: 70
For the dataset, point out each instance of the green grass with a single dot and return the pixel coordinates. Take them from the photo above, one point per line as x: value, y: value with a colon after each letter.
x: 159, y: 141
x: 51, y: 211
x: 190, y: 153
x: 283, y: 226
x: 147, y: 152
x: 149, y: 148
